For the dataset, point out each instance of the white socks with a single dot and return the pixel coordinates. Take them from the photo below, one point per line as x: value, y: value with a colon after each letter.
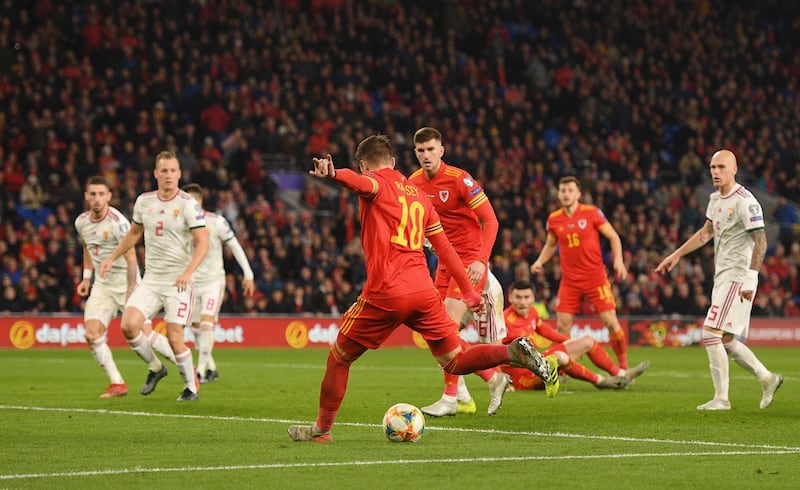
x: 743, y: 356
x: 204, y: 336
x: 142, y: 348
x: 718, y: 364
x: 186, y: 368
x: 102, y: 354
x: 160, y: 344
x: 462, y: 392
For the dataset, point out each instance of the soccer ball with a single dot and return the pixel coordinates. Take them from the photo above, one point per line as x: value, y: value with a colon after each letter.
x: 403, y: 422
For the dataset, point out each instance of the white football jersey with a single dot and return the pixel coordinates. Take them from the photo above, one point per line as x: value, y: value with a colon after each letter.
x: 212, y: 268
x: 168, y: 241
x: 733, y: 216
x: 101, y: 238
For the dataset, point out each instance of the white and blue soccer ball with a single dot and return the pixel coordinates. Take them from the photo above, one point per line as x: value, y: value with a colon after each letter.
x: 403, y: 422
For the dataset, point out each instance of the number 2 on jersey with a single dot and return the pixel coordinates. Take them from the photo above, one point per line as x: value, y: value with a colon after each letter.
x: 409, y: 236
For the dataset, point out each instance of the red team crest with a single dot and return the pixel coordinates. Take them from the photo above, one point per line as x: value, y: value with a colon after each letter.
x: 444, y: 195
x: 582, y: 224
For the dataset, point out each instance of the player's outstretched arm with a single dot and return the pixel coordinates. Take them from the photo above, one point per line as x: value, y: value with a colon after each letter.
x: 363, y: 185
x: 700, y: 238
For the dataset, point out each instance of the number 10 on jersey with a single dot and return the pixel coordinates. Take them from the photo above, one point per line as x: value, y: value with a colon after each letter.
x: 409, y: 234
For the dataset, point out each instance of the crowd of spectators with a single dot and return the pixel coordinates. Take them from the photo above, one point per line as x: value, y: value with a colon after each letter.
x: 631, y: 96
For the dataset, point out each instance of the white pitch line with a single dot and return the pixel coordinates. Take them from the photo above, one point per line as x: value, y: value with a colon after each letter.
x: 392, y: 462
x: 563, y: 435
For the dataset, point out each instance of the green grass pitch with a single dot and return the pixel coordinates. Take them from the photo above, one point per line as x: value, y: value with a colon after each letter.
x: 57, y: 433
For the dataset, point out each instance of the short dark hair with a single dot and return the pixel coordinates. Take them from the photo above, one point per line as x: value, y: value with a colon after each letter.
x: 193, y: 188
x: 426, y: 134
x: 570, y: 178
x: 375, y: 148
x: 520, y: 285
x: 97, y: 180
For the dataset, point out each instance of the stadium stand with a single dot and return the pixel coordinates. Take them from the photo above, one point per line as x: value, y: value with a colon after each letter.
x: 631, y: 96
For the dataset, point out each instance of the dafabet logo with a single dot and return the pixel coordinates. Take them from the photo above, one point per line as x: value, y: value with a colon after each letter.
x: 22, y: 335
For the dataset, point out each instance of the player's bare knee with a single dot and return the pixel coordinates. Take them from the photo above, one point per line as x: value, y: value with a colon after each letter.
x: 94, y: 331
x: 130, y: 329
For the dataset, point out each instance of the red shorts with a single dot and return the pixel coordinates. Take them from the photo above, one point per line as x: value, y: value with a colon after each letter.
x: 447, y: 286
x: 570, y: 296
x: 370, y: 322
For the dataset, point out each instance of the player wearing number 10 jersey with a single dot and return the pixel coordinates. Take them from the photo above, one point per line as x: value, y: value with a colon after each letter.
x: 575, y: 229
x: 395, y: 220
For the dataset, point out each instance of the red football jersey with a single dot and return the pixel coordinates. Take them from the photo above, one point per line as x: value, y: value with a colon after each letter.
x: 394, y: 225
x: 579, y: 242
x: 519, y: 326
x: 455, y: 194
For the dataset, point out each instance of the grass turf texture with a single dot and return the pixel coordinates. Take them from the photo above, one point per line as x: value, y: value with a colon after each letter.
x: 61, y: 435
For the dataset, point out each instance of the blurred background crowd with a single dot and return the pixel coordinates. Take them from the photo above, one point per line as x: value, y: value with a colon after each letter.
x: 631, y: 96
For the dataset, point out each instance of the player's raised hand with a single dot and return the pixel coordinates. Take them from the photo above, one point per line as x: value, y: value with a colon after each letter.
x: 323, y: 167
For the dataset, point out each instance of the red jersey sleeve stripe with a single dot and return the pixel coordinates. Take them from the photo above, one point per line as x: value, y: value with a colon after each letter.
x: 374, y: 186
x: 434, y: 229
x: 363, y: 185
x: 477, y: 200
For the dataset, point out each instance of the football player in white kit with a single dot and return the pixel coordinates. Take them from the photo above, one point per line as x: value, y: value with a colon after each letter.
x: 171, y: 221
x: 100, y: 230
x: 209, y: 285
x: 735, y: 221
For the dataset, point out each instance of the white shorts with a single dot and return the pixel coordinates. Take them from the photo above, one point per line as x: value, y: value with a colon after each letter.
x: 727, y: 311
x: 150, y: 298
x: 492, y: 324
x: 208, y: 299
x: 104, y: 303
